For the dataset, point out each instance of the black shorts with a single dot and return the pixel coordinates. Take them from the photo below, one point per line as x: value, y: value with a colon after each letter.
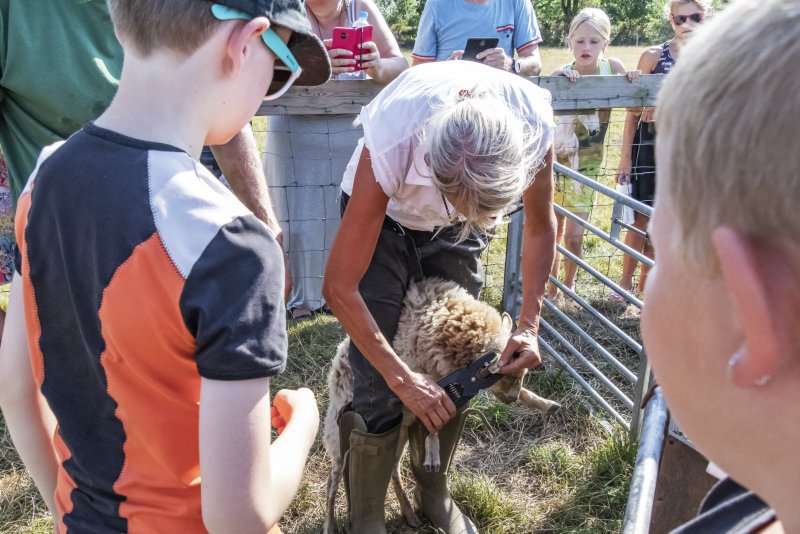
x: 643, y: 170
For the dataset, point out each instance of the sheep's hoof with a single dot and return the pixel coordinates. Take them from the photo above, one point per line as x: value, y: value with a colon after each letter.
x: 432, y: 467
x: 552, y: 408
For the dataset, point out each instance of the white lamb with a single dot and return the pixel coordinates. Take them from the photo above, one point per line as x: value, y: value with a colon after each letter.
x: 442, y: 328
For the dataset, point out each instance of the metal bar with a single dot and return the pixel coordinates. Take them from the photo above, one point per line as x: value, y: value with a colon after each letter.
x: 583, y: 383
x: 628, y: 340
x: 642, y: 385
x: 645, y: 471
x: 512, y: 281
x: 603, y: 278
x: 607, y: 191
x: 629, y: 227
x: 604, y: 236
x: 610, y: 386
x: 627, y: 373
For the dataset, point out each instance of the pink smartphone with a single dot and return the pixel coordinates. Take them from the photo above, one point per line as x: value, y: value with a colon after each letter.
x: 352, y: 39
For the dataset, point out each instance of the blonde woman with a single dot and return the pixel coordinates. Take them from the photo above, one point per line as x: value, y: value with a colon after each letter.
x: 306, y: 154
x: 447, y: 148
x: 637, y: 163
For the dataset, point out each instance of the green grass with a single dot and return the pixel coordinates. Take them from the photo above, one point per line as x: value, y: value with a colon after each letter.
x: 515, y: 471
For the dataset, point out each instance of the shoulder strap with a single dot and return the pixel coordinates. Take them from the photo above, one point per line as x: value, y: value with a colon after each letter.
x: 604, y: 67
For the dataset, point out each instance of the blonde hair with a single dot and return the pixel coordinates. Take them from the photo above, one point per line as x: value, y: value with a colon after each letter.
x: 595, y: 18
x: 730, y: 111
x: 178, y: 25
x: 482, y: 156
x: 704, y: 5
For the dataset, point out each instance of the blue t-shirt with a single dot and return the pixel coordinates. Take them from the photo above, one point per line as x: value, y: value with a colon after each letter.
x: 446, y: 25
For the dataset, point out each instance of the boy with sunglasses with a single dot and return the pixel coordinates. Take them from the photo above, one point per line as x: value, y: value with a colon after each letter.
x: 150, y: 357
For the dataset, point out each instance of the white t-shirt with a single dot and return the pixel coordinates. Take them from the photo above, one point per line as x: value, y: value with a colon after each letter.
x: 394, y: 121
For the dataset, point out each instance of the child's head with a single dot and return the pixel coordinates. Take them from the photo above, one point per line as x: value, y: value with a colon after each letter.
x: 183, y: 26
x: 233, y: 49
x: 722, y: 305
x: 589, y: 34
x: 685, y: 15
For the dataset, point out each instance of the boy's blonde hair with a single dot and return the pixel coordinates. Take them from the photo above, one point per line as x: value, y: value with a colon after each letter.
x: 594, y: 17
x: 730, y: 110
x: 178, y: 25
x: 704, y: 5
x: 482, y: 156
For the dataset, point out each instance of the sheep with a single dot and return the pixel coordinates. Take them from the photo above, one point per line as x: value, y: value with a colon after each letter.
x: 442, y: 328
x: 566, y: 142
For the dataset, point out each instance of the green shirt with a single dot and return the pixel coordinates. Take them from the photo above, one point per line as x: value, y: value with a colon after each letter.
x: 59, y: 68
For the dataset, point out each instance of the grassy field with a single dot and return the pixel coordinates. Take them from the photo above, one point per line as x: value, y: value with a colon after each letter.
x: 516, y: 471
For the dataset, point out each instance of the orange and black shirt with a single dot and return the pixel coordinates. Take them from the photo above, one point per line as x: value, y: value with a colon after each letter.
x: 141, y: 274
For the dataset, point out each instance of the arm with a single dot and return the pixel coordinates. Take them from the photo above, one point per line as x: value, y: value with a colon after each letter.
x: 538, y: 251
x: 389, y: 61
x: 530, y: 61
x: 247, y: 483
x: 647, y: 63
x: 241, y: 164
x: 426, y: 45
x: 349, y: 259
x: 28, y: 417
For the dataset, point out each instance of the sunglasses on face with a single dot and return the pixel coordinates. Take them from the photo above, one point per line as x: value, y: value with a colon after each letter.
x: 680, y: 20
x: 273, y: 42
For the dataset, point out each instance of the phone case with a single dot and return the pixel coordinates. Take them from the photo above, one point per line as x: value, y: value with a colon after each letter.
x: 351, y: 39
x: 477, y: 45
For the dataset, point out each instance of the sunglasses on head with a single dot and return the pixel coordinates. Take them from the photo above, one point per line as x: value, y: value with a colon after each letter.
x: 273, y: 42
x: 680, y: 20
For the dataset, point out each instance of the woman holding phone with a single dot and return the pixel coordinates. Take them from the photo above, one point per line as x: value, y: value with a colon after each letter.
x: 306, y: 155
x: 447, y: 148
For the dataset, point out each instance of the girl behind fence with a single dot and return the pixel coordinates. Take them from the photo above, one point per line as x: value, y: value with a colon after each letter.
x: 580, y: 138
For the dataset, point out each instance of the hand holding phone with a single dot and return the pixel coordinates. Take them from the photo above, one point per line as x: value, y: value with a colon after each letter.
x: 352, y: 40
x: 476, y: 45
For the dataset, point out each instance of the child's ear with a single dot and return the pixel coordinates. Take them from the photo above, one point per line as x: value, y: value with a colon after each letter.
x: 764, y: 281
x: 244, y: 35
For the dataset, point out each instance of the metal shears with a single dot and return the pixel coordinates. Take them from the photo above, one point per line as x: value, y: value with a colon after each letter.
x: 463, y: 384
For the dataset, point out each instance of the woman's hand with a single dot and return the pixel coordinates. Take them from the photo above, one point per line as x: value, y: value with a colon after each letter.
x: 341, y: 59
x: 633, y: 75
x: 623, y: 170
x: 521, y: 352
x: 369, y: 57
x: 429, y: 402
x: 294, y: 405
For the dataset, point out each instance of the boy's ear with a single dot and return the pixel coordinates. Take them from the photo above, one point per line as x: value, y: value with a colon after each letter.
x: 764, y: 281
x: 241, y: 39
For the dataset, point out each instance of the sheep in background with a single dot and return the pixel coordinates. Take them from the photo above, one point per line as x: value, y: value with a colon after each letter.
x: 566, y: 142
x: 442, y: 328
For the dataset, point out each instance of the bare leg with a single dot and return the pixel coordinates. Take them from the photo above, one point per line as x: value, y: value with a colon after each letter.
x: 551, y: 290
x: 573, y: 241
x: 637, y: 243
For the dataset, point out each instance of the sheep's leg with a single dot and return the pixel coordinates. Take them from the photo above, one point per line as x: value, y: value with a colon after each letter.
x: 535, y: 402
x: 406, y: 509
x: 333, y: 488
x: 433, y: 461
